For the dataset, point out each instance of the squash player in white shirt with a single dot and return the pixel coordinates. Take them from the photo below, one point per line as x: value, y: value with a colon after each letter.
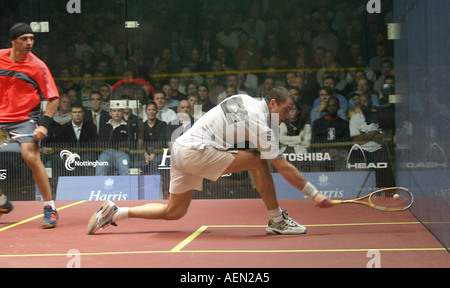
x: 204, y: 152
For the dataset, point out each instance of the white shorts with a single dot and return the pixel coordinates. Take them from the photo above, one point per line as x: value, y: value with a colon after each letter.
x: 190, y: 166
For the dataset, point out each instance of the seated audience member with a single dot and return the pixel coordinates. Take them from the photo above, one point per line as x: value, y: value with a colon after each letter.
x: 79, y: 134
x: 115, y: 136
x: 305, y: 109
x: 362, y: 87
x: 170, y: 102
x: 154, y: 137
x: 78, y: 130
x: 130, y: 118
x: 176, y: 94
x: 196, y: 113
x: 295, y: 136
x: 106, y: 92
x: 295, y: 132
x: 203, y: 98
x: 330, y: 82
x: 320, y: 111
x: 231, y: 81
x: 214, y: 89
x: 96, y: 114
x: 264, y: 89
x: 329, y: 129
x: 62, y: 114
x: 181, y: 123
x: 355, y: 98
x: 164, y: 113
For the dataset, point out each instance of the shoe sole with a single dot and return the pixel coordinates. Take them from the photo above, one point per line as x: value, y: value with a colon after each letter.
x: 47, y: 225
x: 285, y: 232
x: 93, y: 222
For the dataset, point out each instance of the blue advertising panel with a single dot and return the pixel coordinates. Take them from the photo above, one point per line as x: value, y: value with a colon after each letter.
x: 101, y: 188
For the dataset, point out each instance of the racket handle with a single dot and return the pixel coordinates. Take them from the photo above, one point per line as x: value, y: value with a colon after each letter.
x: 334, y: 202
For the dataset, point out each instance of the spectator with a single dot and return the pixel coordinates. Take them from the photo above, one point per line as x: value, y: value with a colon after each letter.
x: 78, y: 130
x: 114, y: 135
x: 331, y: 128
x: 203, y: 98
x: 295, y: 132
x: 63, y: 115
x: 154, y: 137
x: 214, y: 89
x: 232, y: 81
x: 174, y: 83
x: 96, y: 114
x: 87, y: 86
x: 304, y: 108
x: 170, y: 102
x: 164, y: 112
x: 105, y: 91
x: 355, y: 99
x: 325, y: 38
x: 227, y: 38
x: 364, y: 128
x: 320, y: 110
x: 181, y: 123
x: 330, y: 83
x: 387, y: 68
x: 363, y: 88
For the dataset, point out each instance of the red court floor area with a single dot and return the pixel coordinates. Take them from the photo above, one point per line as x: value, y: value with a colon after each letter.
x: 220, y: 234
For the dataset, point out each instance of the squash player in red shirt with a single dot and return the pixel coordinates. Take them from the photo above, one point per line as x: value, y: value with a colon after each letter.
x: 24, y: 79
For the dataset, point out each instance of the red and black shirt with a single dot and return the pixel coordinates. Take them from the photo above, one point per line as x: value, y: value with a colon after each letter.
x: 22, y: 87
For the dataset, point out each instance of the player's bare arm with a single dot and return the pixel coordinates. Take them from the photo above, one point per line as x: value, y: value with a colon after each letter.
x: 296, y: 179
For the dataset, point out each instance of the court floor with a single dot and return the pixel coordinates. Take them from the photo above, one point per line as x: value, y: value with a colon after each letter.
x: 220, y: 234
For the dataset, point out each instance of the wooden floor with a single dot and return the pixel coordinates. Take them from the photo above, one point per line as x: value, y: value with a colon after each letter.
x: 220, y: 234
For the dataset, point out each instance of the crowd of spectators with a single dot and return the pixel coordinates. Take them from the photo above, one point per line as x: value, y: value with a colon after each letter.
x: 329, y: 54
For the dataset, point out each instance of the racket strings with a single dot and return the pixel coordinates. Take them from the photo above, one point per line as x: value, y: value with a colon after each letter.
x: 386, y: 199
x: 4, y: 139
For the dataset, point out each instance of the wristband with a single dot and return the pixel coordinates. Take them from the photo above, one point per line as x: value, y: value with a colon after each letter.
x: 309, y: 190
x: 46, y: 122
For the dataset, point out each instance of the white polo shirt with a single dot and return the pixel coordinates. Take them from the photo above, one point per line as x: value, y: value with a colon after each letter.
x: 237, y: 119
x: 358, y: 125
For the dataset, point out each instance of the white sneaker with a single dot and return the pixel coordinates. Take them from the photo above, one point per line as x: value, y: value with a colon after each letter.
x: 102, y: 217
x: 286, y: 227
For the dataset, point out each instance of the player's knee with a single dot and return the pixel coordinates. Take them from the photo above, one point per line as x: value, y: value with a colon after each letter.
x: 30, y: 158
x: 260, y: 164
x: 175, y: 214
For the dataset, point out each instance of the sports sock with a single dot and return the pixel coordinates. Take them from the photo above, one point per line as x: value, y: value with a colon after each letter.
x: 276, y: 215
x: 2, y: 200
x: 122, y: 213
x: 50, y: 203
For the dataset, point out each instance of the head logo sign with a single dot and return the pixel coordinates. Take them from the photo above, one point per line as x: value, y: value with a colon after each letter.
x: 363, y: 165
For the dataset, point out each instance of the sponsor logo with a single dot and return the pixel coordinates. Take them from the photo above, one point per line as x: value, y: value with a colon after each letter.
x: 435, y: 159
x: 73, y: 161
x: 108, y: 185
x: 363, y: 165
x: 307, y: 157
x: 2, y: 174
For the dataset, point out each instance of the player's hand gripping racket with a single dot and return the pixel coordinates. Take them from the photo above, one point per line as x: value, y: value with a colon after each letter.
x: 6, y: 137
x: 388, y: 199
